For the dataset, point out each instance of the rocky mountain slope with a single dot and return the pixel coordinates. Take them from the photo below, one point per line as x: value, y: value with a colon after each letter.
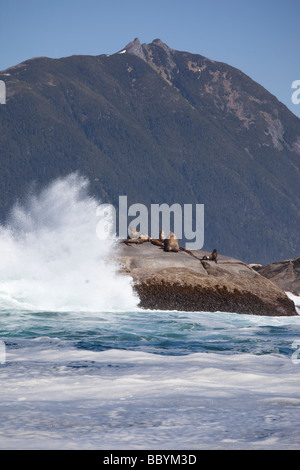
x: 160, y: 126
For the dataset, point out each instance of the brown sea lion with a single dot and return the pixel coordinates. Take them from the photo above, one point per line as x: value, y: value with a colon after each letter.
x: 171, y: 243
x: 135, y: 240
x: 212, y: 257
x: 134, y: 234
x: 160, y: 241
x: 157, y: 242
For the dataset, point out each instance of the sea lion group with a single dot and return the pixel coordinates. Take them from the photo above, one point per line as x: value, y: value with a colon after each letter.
x: 168, y: 244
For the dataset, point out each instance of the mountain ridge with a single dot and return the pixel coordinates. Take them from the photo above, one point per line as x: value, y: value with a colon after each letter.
x: 159, y: 125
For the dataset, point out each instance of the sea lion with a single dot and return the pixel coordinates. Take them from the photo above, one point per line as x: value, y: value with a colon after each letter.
x: 160, y: 241
x: 212, y: 257
x: 157, y: 242
x: 171, y: 243
x: 162, y: 235
x: 135, y: 240
x: 134, y: 234
x: 143, y: 236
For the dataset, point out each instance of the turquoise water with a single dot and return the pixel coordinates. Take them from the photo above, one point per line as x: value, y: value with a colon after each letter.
x: 164, y: 333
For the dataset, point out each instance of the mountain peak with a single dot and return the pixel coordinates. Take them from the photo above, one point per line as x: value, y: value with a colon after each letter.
x: 136, y: 48
x: 136, y: 45
x: 163, y: 45
x: 146, y: 51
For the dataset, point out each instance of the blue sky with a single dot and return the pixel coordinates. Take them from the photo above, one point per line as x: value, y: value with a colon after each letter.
x: 261, y: 38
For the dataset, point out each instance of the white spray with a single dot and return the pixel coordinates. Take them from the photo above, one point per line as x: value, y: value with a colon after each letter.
x: 53, y: 259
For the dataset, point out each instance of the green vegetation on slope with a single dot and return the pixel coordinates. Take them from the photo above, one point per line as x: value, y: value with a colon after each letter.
x: 172, y: 127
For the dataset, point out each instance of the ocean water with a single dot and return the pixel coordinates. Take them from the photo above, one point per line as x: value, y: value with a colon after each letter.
x: 82, y: 367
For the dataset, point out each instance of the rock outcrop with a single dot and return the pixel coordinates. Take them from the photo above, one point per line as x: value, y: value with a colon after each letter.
x: 285, y: 274
x: 183, y: 281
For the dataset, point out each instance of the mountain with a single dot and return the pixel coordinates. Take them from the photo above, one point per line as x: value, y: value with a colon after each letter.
x: 160, y: 126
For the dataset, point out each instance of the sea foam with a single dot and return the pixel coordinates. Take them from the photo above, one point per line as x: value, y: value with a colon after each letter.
x: 53, y: 257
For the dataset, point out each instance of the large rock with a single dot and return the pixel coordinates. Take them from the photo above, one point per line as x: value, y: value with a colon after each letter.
x: 285, y: 274
x: 183, y: 281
